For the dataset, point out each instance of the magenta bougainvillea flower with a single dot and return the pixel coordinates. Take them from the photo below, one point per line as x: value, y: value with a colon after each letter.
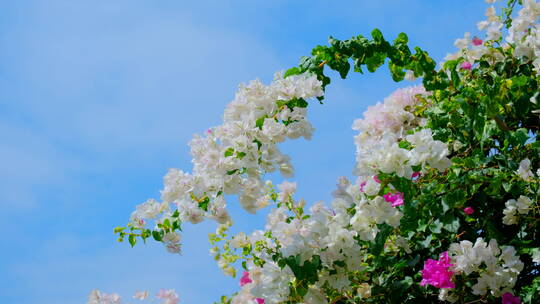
x: 396, y: 199
x: 466, y: 65
x: 477, y: 41
x: 468, y: 210
x: 509, y: 298
x: 245, y: 279
x: 362, y: 185
x: 437, y: 273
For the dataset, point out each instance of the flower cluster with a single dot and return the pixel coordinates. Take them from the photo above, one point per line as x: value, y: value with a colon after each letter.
x: 98, y: 297
x: 437, y: 272
x: 497, y: 268
x: 387, y: 142
x: 233, y: 157
x: 166, y: 296
x: 332, y: 235
x: 523, y: 35
x: 493, y: 268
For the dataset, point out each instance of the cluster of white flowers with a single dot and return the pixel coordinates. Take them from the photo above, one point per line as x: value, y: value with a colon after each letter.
x: 270, y: 282
x: 233, y: 157
x: 331, y: 234
x: 385, y: 126
x: 472, y: 49
x: 497, y: 268
x: 166, y: 296
x: 514, y: 207
x: 98, y: 297
x: 523, y: 35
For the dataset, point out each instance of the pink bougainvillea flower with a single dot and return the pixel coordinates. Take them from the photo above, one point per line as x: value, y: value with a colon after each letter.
x: 376, y: 178
x: 477, y: 41
x: 259, y: 301
x: 466, y: 65
x: 396, y: 199
x: 437, y: 273
x: 362, y: 185
x: 509, y: 298
x: 468, y: 210
x: 245, y: 279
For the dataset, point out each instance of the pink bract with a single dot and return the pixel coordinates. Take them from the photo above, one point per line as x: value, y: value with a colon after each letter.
x: 477, y: 41
x: 468, y: 210
x: 509, y: 298
x: 466, y: 65
x: 396, y: 199
x: 362, y: 185
x: 245, y: 279
x: 437, y: 273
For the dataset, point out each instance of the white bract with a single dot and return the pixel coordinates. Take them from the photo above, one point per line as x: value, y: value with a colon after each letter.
x: 515, y: 207
x: 497, y: 267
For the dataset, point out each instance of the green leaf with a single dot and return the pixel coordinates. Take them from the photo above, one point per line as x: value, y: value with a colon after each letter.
x: 519, y: 81
x: 132, y: 240
x: 425, y: 243
x: 166, y: 223
x: 377, y: 35
x: 157, y: 235
x: 405, y: 145
x: 229, y: 152
x: 260, y: 122
x: 397, y: 72
x: 380, y: 239
x: 240, y: 154
x: 204, y: 203
x: 298, y: 102
x: 340, y: 263
x: 401, y: 39
x: 451, y: 223
x: 436, y: 226
x: 231, y: 172
x: 414, y: 261
x: 292, y: 71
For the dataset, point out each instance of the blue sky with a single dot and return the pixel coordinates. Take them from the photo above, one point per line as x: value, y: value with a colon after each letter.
x: 98, y: 98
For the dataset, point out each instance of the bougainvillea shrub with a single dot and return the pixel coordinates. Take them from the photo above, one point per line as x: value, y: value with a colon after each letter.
x: 444, y: 206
